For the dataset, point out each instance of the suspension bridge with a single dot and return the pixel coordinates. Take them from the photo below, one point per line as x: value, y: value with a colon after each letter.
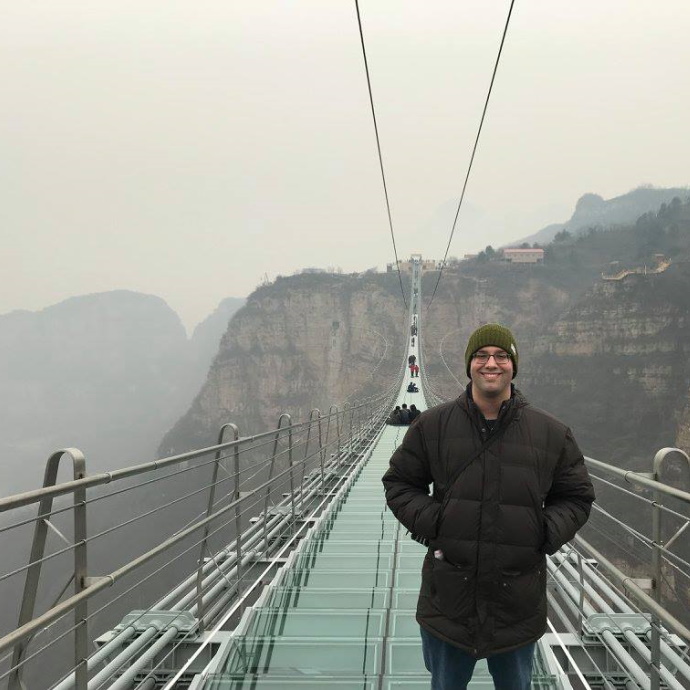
x: 272, y: 561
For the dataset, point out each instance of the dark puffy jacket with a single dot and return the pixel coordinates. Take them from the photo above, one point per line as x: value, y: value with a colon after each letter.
x: 524, y: 495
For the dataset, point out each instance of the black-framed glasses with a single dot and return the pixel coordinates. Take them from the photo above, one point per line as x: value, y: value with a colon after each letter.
x: 499, y: 357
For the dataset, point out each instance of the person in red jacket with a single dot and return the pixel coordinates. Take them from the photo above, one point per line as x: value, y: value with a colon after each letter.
x: 509, y: 487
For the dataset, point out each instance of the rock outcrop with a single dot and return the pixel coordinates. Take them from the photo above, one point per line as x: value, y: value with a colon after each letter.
x: 304, y: 342
x: 611, y: 361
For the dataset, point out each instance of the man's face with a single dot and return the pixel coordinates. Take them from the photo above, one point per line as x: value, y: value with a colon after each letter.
x: 491, y: 378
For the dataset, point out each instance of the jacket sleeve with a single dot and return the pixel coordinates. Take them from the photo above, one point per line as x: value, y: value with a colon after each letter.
x: 406, y: 484
x: 569, y: 500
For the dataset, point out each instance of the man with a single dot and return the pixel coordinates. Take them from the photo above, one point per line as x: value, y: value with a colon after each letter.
x: 509, y: 486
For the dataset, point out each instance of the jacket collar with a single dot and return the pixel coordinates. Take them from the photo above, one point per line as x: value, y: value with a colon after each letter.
x: 509, y: 408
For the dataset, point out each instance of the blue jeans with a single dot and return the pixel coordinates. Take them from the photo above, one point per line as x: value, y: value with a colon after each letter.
x: 451, y: 668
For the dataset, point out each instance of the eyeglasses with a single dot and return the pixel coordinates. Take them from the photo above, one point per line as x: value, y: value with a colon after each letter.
x: 499, y: 357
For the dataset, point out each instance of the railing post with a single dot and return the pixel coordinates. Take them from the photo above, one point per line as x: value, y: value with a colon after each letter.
x: 322, y: 455
x: 209, y: 510
x: 312, y: 417
x: 33, y: 572
x: 352, y: 414
x: 337, y: 428
x: 81, y: 611
x: 270, y: 472
x: 657, y: 561
x: 238, y: 518
x: 292, y: 482
x: 346, y: 408
x: 581, y: 573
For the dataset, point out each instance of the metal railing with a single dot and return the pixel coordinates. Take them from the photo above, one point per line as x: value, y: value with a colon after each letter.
x: 206, y: 521
x: 628, y: 589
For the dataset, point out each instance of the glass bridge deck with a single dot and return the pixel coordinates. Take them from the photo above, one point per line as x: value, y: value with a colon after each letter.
x: 340, y: 614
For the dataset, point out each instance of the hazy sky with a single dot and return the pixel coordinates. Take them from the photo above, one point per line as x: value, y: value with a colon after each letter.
x: 186, y: 149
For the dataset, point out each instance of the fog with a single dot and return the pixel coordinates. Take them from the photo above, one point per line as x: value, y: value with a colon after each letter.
x: 188, y: 150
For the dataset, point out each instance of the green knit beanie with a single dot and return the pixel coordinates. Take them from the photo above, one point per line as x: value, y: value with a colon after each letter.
x: 491, y: 334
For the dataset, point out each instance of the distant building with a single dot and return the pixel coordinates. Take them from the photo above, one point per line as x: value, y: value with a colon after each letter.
x: 524, y: 256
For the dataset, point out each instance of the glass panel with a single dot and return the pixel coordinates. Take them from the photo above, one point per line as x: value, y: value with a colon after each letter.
x: 351, y: 561
x: 330, y: 546
x: 408, y: 545
x: 334, y: 579
x: 360, y: 624
x: 392, y: 683
x: 405, y: 598
x: 304, y: 658
x: 405, y: 656
x: 348, y: 533
x: 410, y: 561
x: 408, y: 579
x: 216, y: 682
x: 314, y: 598
x: 403, y: 624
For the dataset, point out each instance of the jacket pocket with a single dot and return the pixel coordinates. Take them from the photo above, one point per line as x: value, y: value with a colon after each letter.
x: 453, y: 589
x: 521, y: 594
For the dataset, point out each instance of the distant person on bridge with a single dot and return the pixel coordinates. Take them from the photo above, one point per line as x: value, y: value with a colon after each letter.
x: 414, y: 413
x: 415, y: 370
x: 412, y: 387
x: 394, y: 417
x: 509, y: 486
x: 411, y: 359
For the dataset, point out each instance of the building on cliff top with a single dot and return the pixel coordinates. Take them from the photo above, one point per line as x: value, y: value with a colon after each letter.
x: 524, y: 256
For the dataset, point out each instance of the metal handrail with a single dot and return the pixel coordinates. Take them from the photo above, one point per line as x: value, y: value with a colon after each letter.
x: 640, y: 479
x: 90, y: 587
x: 29, y: 497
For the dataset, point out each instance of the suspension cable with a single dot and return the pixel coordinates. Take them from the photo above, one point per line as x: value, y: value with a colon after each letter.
x: 474, y: 151
x: 378, y: 147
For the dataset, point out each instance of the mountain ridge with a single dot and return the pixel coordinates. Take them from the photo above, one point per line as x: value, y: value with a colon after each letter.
x: 593, y: 211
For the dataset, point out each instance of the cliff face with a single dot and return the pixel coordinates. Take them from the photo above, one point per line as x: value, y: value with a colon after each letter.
x: 607, y: 357
x: 611, y: 360
x: 304, y: 342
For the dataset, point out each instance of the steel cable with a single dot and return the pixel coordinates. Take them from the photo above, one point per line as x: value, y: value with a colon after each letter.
x: 474, y: 151
x: 378, y: 147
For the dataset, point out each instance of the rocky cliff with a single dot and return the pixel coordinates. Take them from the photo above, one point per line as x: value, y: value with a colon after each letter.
x: 303, y: 342
x: 610, y: 360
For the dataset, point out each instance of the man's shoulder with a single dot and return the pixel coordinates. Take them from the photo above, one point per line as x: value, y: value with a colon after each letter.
x: 538, y: 416
x: 440, y: 412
